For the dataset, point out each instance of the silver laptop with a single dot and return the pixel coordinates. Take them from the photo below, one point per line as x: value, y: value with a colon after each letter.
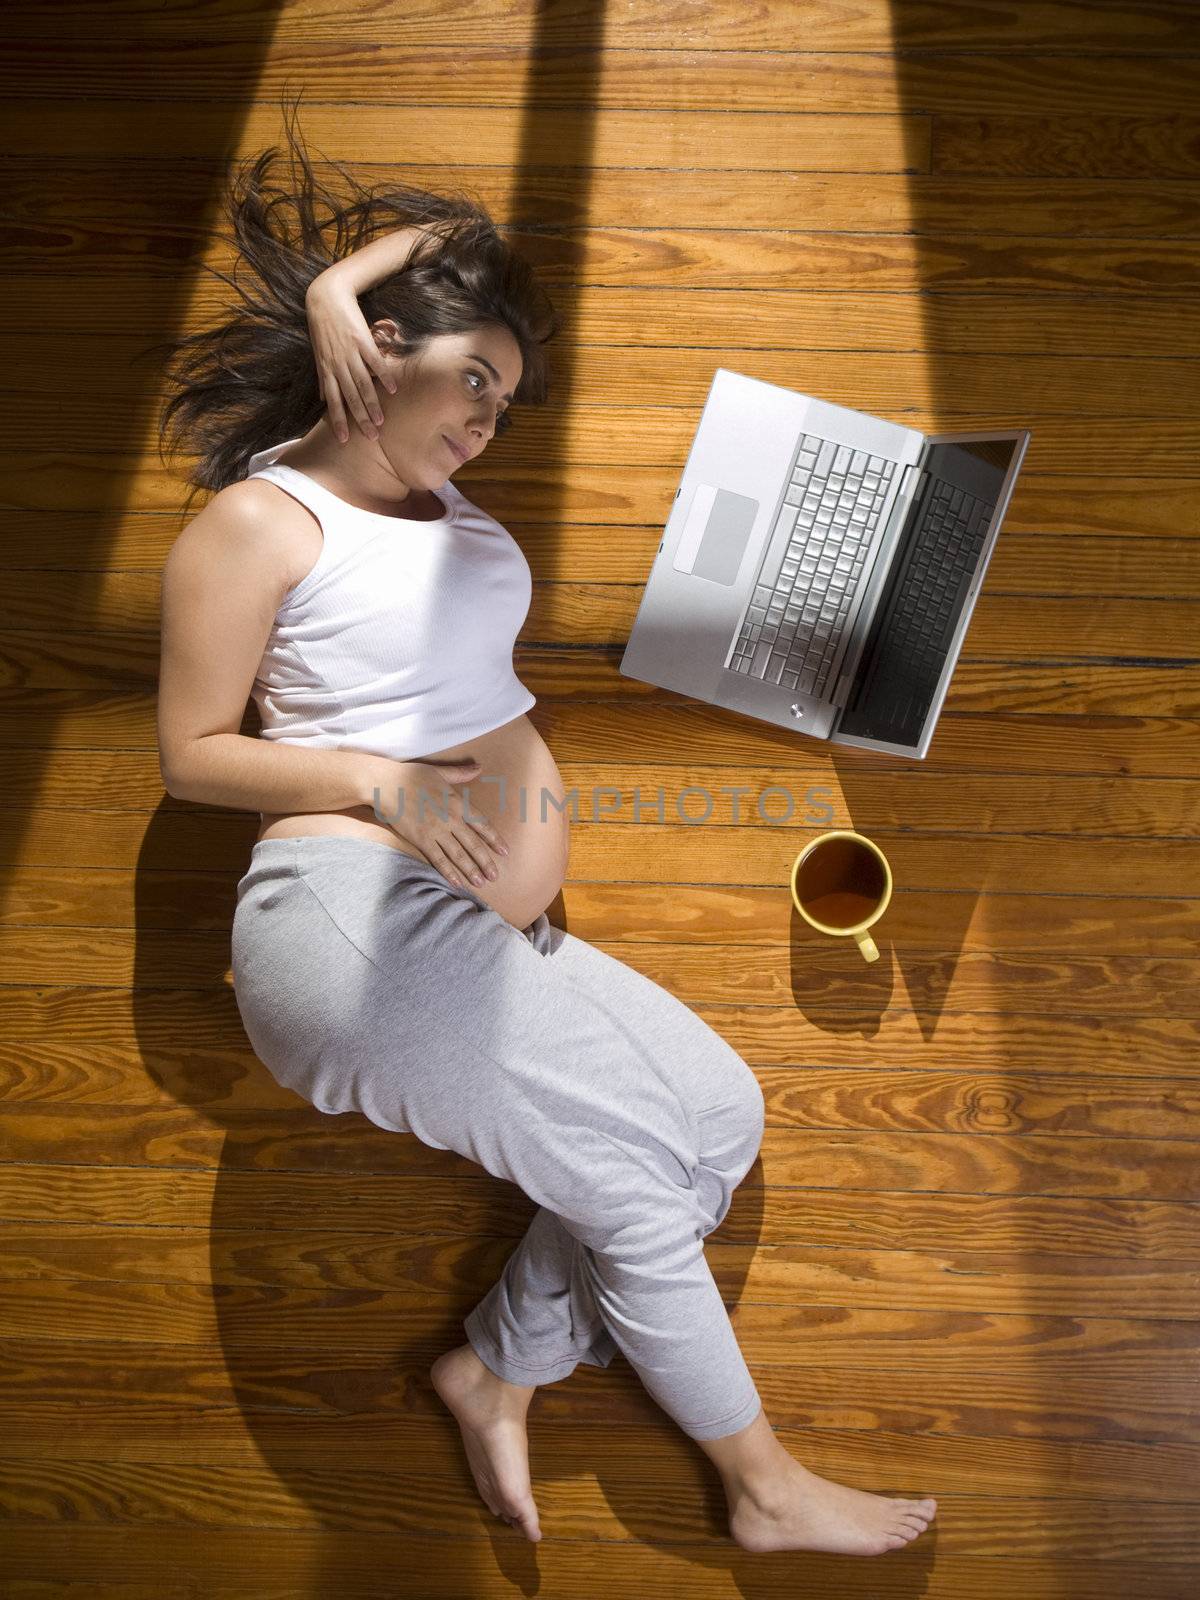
x: 820, y: 566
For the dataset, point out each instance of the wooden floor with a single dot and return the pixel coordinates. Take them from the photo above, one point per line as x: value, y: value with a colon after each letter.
x: 967, y: 1264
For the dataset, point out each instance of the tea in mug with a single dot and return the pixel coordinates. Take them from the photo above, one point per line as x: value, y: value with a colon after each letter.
x: 841, y: 883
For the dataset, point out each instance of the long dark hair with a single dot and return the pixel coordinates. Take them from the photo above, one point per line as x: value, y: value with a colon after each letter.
x: 251, y: 381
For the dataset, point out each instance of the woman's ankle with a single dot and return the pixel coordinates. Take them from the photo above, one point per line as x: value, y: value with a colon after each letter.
x: 751, y: 1462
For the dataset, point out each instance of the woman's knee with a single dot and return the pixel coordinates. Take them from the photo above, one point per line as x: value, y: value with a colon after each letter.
x: 743, y: 1106
x: 754, y: 1102
x: 658, y: 1227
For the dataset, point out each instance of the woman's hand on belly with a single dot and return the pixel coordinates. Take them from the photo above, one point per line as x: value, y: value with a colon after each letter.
x: 531, y: 875
x: 429, y: 810
x: 520, y: 792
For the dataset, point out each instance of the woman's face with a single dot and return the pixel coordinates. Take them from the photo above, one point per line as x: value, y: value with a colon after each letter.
x: 457, y: 389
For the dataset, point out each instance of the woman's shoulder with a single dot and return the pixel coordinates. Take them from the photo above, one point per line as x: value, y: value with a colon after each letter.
x: 258, y: 507
x: 255, y: 514
x: 248, y: 500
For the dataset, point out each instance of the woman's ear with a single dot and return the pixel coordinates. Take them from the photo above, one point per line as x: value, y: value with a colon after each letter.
x: 386, y: 333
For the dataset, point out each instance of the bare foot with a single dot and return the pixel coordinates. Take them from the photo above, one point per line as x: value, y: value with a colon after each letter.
x: 806, y: 1512
x: 491, y: 1414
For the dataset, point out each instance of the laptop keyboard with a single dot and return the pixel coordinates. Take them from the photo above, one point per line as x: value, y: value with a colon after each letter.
x: 792, y: 630
x: 939, y: 564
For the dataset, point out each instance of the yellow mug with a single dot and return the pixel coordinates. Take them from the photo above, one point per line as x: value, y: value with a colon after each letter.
x: 841, y: 884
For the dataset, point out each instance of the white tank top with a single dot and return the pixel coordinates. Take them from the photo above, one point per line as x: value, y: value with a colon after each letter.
x: 400, y: 639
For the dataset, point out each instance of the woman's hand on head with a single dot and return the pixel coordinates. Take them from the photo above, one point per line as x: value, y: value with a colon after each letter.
x: 346, y: 356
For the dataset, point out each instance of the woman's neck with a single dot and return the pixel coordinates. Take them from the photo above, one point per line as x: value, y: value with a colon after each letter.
x: 320, y: 456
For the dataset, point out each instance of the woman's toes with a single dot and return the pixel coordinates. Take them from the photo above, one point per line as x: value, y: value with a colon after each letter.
x: 915, y: 1508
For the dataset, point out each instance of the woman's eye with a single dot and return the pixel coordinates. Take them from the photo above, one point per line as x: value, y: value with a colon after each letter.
x: 503, y: 421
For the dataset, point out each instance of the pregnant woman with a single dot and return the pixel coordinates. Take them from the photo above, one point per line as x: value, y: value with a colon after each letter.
x: 391, y: 949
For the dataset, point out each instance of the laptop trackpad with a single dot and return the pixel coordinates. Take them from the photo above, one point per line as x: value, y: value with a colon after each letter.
x: 714, y: 536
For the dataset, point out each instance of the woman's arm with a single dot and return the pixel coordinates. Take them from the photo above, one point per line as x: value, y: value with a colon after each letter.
x: 372, y: 264
x: 348, y: 359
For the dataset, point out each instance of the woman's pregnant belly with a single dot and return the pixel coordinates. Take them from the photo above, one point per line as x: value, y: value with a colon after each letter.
x: 519, y: 790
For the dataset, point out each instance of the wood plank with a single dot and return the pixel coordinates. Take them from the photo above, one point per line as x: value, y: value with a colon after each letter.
x: 229, y: 1561
x: 872, y: 26
x: 1020, y: 743
x: 347, y: 58
x: 344, y: 1496
x: 315, y: 1381
x: 1101, y: 145
x: 148, y: 1431
x: 888, y: 195
x: 739, y: 258
x: 378, y: 131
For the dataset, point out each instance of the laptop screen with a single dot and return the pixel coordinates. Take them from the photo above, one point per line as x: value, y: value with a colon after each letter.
x: 931, y: 575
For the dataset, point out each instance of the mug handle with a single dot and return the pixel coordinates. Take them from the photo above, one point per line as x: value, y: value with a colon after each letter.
x: 870, y: 950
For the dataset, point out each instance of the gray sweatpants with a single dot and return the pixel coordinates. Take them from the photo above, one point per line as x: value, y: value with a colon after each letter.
x: 366, y: 982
